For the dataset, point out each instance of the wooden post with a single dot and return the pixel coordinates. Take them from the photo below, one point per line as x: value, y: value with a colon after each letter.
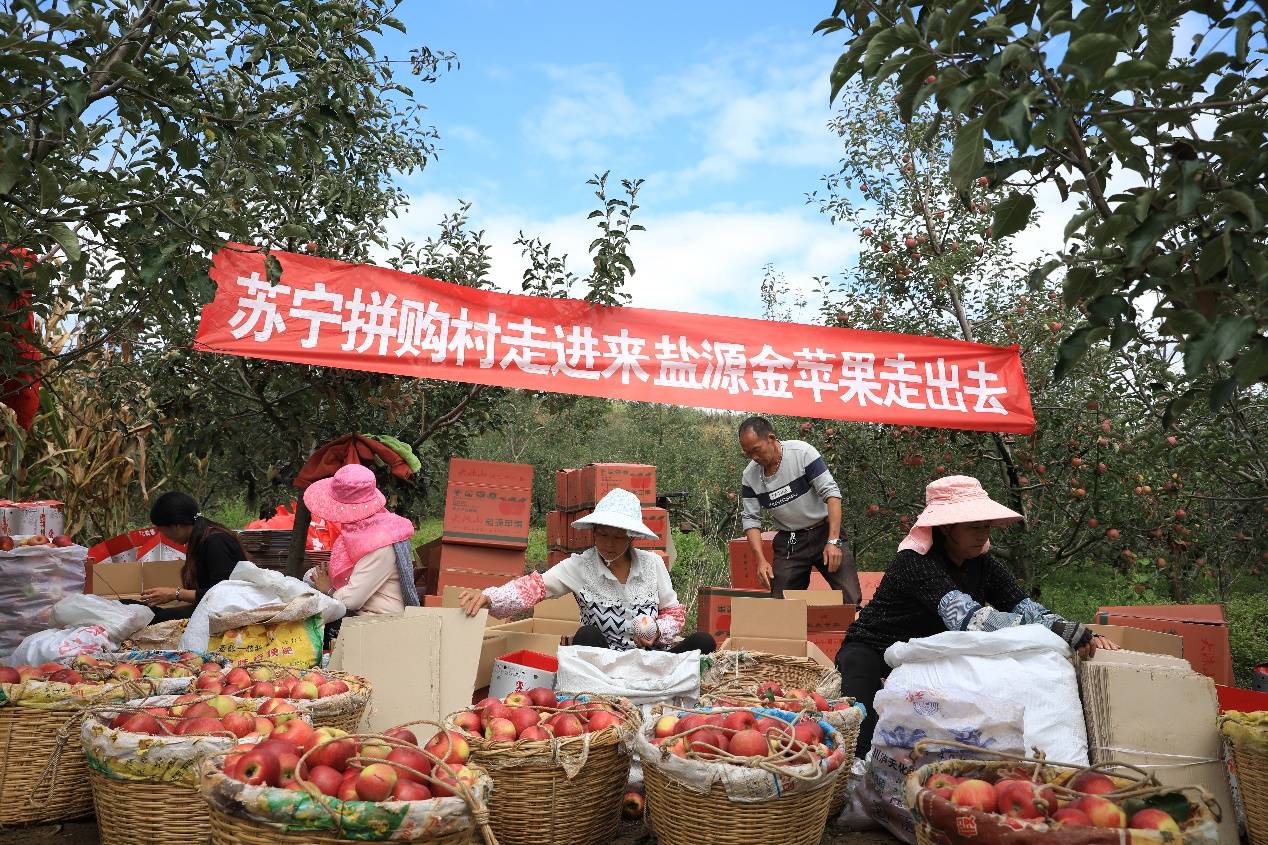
x: 299, y: 540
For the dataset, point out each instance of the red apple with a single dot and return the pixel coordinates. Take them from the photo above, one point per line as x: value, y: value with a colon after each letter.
x: 9, y: 675
x: 535, y: 733
x: 155, y: 669
x: 287, y: 763
x: 208, y: 683
x: 522, y: 718
x: 325, y: 779
x: 304, y: 690
x: 264, y: 726
x: 940, y: 780
x: 1071, y: 817
x: 403, y: 734
x: 122, y: 672
x: 498, y: 729
x: 297, y: 732
x: 348, y: 787
x: 566, y: 724
x: 222, y: 704
x: 449, y: 746
x: 975, y: 793
x: 332, y: 750
x: 411, y: 764
x: 1153, y: 819
x: 469, y: 721
x: 408, y: 790
x: 66, y: 676
x: 542, y: 697
x: 239, y: 724
x: 749, y: 743
x: 1093, y: 783
x: 200, y: 726
x: 201, y: 709
x: 666, y: 726
x: 6, y: 543
x: 517, y: 699
x: 740, y: 720
x: 705, y: 741
x: 264, y: 689
x: 375, y: 749
x: 484, y: 704
x: 1102, y: 811
x: 632, y: 804
x: 259, y: 768
x: 496, y: 711
x: 603, y: 720
x: 769, y: 689
x: 238, y: 676
x: 142, y: 723
x: 330, y: 688
x: 376, y: 782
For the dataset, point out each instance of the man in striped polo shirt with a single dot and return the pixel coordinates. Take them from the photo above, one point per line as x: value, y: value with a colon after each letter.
x: 791, y: 481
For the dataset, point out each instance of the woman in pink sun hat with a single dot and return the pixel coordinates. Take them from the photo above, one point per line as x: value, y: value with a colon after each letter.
x: 371, y: 566
x: 943, y: 578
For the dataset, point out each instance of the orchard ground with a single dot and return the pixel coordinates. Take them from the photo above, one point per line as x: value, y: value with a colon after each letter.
x: 85, y: 833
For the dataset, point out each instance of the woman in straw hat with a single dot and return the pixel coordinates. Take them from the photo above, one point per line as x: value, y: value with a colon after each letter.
x: 371, y: 567
x: 943, y: 579
x: 624, y: 594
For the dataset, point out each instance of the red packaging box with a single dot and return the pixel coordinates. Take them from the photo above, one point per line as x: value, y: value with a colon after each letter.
x: 1202, y: 626
x: 656, y: 519
x: 1245, y: 700
x: 554, y: 556
x: 829, y: 618
x: 487, y: 516
x: 565, y: 489
x: 582, y: 537
x: 490, y: 473
x: 441, y: 555
x: 744, y: 562
x: 829, y: 642
x: 436, y: 581
x: 713, y: 608
x: 556, y: 530
x: 868, y: 582
x: 599, y: 479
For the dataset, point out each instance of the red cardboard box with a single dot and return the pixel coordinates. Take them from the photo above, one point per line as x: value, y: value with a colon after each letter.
x: 829, y: 642
x: 490, y: 473
x: 1202, y: 626
x: 656, y: 519
x: 713, y: 608
x: 556, y: 530
x: 1245, y: 700
x: 554, y: 556
x: 565, y: 489
x: 868, y: 582
x: 825, y: 610
x: 435, y: 581
x: 597, y: 480
x: 744, y: 562
x: 579, y: 537
x: 441, y: 554
x: 487, y: 516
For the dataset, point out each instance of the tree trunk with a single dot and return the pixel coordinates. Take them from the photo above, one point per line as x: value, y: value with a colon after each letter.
x: 299, y: 540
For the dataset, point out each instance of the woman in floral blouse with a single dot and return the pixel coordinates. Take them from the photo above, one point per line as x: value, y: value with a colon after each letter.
x: 615, y: 584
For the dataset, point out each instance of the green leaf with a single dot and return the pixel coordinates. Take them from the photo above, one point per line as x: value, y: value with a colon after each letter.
x: 1158, y: 43
x: 1012, y: 215
x: 1244, y: 205
x: 1252, y: 364
x: 1144, y: 236
x: 291, y: 230
x: 1092, y: 53
x: 1077, y: 221
x: 879, y: 50
x: 1222, y: 391
x: 828, y: 25
x: 956, y: 22
x: 1123, y: 334
x: 66, y: 239
x: 1214, y: 257
x: 1197, y: 351
x: 1080, y: 282
x: 1037, y: 275
x: 967, y: 156
x: 1231, y: 333
x: 272, y: 269
x: 1069, y: 352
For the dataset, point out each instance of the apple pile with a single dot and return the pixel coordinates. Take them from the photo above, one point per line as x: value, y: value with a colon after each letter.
x: 54, y: 672
x: 187, y: 664
x: 269, y: 682
x: 795, y: 700
x: 535, y: 715
x: 334, y: 763
x: 8, y: 544
x: 1022, y: 801
x: 741, y: 735
x: 200, y: 715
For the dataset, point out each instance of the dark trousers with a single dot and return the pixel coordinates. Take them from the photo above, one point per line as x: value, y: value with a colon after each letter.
x: 590, y: 635
x: 795, y: 552
x: 166, y: 614
x: 862, y: 669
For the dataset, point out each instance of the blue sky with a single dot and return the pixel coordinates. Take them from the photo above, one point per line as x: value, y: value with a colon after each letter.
x: 722, y: 109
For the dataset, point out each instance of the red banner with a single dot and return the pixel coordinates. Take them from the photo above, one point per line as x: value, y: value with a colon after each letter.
x: 361, y: 317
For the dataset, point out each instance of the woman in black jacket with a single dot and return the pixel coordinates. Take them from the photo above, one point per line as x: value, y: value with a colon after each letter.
x: 211, y: 552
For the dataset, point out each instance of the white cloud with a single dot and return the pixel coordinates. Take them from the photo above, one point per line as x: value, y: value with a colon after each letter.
x: 707, y: 261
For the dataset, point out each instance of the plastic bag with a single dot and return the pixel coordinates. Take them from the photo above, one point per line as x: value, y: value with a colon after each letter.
x: 1027, y: 665
x: 905, y: 717
x: 644, y: 677
x: 32, y: 580
x: 250, y: 588
x: 54, y: 644
x: 288, y: 643
x: 120, y: 620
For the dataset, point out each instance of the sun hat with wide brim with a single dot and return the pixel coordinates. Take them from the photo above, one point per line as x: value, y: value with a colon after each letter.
x: 619, y: 509
x: 950, y: 500
x: 350, y: 495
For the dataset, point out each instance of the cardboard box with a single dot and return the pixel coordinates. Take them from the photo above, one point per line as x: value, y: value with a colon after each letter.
x: 1202, y: 626
x: 744, y: 562
x: 520, y: 671
x: 868, y: 582
x: 554, y: 556
x: 1245, y: 700
x: 437, y: 581
x: 443, y: 646
x: 556, y: 530
x: 490, y: 473
x: 656, y: 519
x: 775, y: 626
x: 565, y: 480
x: 1138, y: 639
x: 444, y: 555
x: 498, y: 642
x: 826, y: 610
x: 449, y: 598
x: 578, y: 537
x: 558, y: 618
x: 597, y: 480
x: 485, y: 515
x: 829, y: 642
x: 713, y: 608
x: 130, y: 580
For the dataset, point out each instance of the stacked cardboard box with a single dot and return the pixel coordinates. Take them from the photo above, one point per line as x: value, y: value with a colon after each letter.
x: 1202, y: 626
x: 485, y: 528
x: 577, y: 491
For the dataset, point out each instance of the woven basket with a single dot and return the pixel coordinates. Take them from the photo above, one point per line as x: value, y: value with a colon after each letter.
x: 680, y: 816
x: 938, y: 822
x: 741, y: 672
x: 534, y: 802
x: 230, y: 830
x: 1249, y: 744
x: 343, y: 711
x: 157, y: 813
x: 43, y: 776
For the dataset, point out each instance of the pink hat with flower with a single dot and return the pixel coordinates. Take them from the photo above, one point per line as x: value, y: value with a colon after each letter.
x: 952, y: 499
x: 350, y: 495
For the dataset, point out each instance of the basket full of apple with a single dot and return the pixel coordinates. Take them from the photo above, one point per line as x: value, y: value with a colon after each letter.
x: 732, y: 671
x: 170, y: 671
x: 1035, y: 802
x: 319, y: 785
x: 735, y: 776
x: 328, y: 698
x: 559, y: 766
x: 43, y: 776
x: 143, y: 756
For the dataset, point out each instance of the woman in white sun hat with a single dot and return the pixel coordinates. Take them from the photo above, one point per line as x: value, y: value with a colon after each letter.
x: 943, y: 579
x: 624, y: 594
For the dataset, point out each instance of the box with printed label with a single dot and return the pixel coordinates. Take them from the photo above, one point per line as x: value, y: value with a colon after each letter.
x: 490, y: 473
x: 597, y: 480
x: 713, y: 608
x: 488, y: 516
x: 1202, y: 627
x: 775, y: 626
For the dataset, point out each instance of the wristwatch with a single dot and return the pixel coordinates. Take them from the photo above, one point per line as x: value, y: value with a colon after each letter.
x: 837, y: 542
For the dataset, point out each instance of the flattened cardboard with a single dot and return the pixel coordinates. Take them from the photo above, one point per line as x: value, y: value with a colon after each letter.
x: 1202, y: 626
x: 450, y: 599
x: 119, y: 580
x: 563, y: 608
x: 1138, y: 639
x: 443, y: 647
